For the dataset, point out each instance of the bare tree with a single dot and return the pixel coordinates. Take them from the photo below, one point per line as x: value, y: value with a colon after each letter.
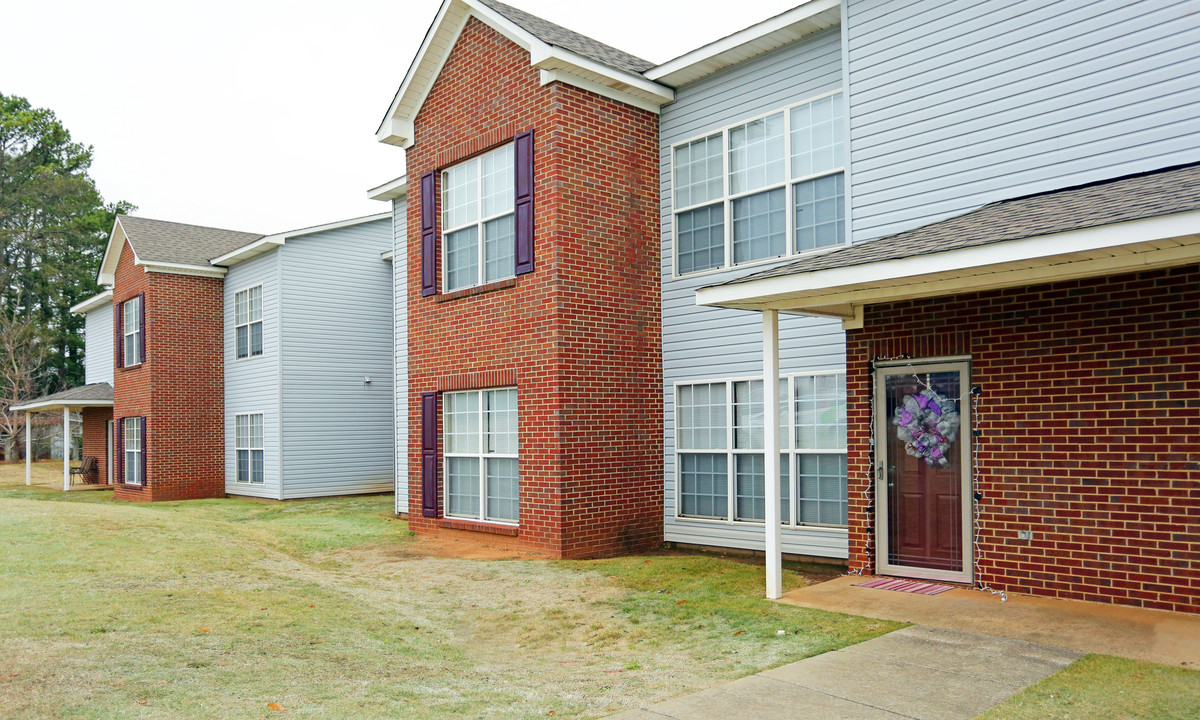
x: 22, y: 357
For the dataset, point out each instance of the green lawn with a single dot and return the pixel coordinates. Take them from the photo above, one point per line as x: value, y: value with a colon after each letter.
x: 330, y: 609
x: 1100, y: 687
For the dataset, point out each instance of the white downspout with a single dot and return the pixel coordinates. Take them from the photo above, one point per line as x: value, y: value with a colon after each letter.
x: 774, y: 556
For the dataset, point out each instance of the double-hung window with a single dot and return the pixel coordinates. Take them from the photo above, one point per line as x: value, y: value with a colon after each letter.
x: 131, y: 331
x: 132, y: 447
x: 719, y: 450
x: 478, y: 220
x: 248, y: 442
x: 248, y: 321
x: 761, y: 189
x: 481, y: 479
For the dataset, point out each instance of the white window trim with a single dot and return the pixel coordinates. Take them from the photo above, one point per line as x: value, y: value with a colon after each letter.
x: 726, y: 199
x: 125, y: 451
x: 479, y: 222
x: 125, y: 333
x: 250, y: 355
x: 482, y: 456
x: 236, y: 448
x: 729, y: 450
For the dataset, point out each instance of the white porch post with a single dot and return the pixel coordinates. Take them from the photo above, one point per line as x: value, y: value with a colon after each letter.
x: 66, y: 449
x: 28, y: 448
x: 774, y: 558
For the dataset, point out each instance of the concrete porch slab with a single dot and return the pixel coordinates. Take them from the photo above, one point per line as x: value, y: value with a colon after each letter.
x: 1151, y: 635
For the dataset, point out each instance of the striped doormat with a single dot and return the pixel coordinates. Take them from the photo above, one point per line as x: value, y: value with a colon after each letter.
x: 907, y: 586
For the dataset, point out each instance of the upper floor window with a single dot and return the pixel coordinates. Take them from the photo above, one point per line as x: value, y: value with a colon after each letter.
x: 248, y: 311
x: 478, y: 226
x: 132, y: 334
x: 761, y: 189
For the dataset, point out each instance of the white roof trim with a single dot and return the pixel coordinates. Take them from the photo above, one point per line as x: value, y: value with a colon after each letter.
x: 181, y: 269
x: 270, y: 242
x: 61, y: 404
x: 390, y: 190
x: 1165, y: 241
x: 96, y: 301
x: 112, y: 254
x: 387, y: 255
x: 397, y: 125
x: 805, y: 19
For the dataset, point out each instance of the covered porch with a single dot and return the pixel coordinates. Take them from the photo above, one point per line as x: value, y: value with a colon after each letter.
x: 94, y: 404
x: 1023, y: 392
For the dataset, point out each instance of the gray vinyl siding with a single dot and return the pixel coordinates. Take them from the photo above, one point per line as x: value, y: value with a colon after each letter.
x: 400, y: 294
x: 957, y: 104
x: 252, y: 384
x: 98, y: 345
x: 702, y: 343
x: 337, y: 330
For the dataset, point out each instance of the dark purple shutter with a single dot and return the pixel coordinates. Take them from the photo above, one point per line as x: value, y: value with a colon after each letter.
x: 145, y: 449
x: 142, y: 325
x: 428, y: 234
x: 118, y: 320
x: 429, y: 458
x: 119, y: 444
x: 524, y: 194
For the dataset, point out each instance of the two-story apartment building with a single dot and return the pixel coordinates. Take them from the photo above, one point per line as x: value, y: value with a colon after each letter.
x: 1000, y: 438
x: 215, y: 354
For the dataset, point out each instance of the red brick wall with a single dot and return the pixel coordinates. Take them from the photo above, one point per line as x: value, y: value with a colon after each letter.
x: 580, y: 335
x: 1090, y: 416
x: 95, y: 437
x: 179, y: 387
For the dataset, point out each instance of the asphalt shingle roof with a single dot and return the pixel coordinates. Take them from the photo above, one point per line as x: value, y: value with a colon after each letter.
x: 96, y: 392
x: 170, y: 242
x: 1132, y: 197
x: 559, y: 36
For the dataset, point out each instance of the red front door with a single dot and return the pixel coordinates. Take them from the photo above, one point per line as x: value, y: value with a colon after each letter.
x: 923, y: 433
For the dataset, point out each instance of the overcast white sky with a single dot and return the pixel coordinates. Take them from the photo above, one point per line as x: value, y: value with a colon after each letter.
x: 260, y: 115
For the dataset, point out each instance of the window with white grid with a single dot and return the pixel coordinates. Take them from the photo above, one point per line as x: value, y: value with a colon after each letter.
x: 721, y: 469
x: 248, y: 443
x: 248, y: 327
x: 761, y: 189
x: 133, y: 445
x: 481, y: 458
x: 131, y: 330
x: 478, y: 221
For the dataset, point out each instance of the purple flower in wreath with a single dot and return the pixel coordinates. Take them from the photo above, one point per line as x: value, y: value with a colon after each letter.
x: 927, y: 423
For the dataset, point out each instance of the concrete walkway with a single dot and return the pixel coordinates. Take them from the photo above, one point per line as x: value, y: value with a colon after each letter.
x: 1170, y: 638
x: 918, y: 672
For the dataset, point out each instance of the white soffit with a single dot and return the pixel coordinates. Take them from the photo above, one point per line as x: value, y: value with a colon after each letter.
x: 96, y: 301
x: 1152, y: 243
x: 558, y: 63
x: 390, y: 190
x: 806, y: 19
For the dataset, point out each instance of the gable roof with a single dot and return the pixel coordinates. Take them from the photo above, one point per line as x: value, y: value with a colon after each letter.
x: 169, y: 246
x: 559, y: 36
x: 561, y: 55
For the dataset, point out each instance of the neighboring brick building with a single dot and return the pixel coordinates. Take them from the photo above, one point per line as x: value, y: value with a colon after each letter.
x: 533, y: 325
x: 168, y: 358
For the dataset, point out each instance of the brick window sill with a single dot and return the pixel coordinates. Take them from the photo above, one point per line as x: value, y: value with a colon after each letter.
x: 477, y: 290
x: 452, y: 524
